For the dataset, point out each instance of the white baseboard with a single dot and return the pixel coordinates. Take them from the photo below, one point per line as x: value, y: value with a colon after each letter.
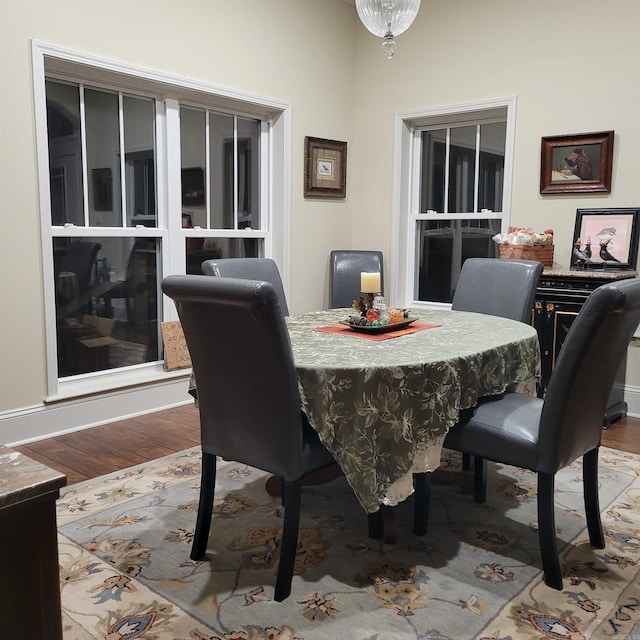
x: 46, y: 421
x: 632, y: 398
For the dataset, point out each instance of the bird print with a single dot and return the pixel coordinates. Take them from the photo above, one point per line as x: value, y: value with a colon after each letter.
x: 607, y: 232
x: 604, y: 252
x: 587, y: 247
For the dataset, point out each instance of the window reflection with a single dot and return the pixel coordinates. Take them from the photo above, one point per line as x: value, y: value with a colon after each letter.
x: 107, y: 299
x: 65, y: 153
x: 457, y: 180
x: 201, y: 249
x: 221, y: 179
x: 103, y: 153
x: 139, y: 144
x: 443, y: 245
x: 462, y: 169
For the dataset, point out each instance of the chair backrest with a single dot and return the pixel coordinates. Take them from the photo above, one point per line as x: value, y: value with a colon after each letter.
x: 345, y: 269
x: 248, y: 396
x: 579, y: 388
x: 505, y: 288
x: 79, y: 258
x: 248, y: 269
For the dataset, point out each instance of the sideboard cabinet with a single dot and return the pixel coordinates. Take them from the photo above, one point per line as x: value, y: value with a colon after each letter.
x: 559, y: 297
x: 29, y: 572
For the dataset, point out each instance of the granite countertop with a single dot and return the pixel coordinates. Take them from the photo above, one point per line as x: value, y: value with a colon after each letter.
x: 599, y: 274
x: 22, y: 478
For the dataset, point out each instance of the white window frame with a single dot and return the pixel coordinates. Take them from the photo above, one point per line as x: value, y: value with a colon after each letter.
x: 169, y: 90
x: 406, y: 184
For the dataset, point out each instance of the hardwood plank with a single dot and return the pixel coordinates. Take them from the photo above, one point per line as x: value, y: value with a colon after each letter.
x: 58, y: 455
x: 129, y: 439
x: 623, y: 435
x: 85, y: 454
x: 108, y: 452
x: 170, y: 436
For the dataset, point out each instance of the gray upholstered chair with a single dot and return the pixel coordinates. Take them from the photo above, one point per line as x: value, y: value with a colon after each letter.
x: 248, y: 269
x: 505, y: 288
x: 344, y: 274
x: 547, y: 435
x: 249, y: 403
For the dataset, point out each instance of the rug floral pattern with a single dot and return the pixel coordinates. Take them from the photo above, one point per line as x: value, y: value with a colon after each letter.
x: 125, y: 572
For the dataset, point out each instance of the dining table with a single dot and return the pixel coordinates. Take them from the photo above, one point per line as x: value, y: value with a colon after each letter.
x: 383, y: 400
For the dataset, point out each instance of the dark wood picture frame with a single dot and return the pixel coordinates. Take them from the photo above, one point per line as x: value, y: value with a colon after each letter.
x: 615, y: 230
x: 578, y: 163
x: 325, y: 168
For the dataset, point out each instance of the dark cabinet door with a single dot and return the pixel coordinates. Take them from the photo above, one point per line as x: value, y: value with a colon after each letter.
x: 553, y: 314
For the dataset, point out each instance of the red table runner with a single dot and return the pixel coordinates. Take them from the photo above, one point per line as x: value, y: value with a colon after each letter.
x: 344, y: 330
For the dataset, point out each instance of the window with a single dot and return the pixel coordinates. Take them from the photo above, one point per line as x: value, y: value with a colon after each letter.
x: 139, y: 184
x: 102, y: 157
x: 457, y: 185
x: 220, y: 169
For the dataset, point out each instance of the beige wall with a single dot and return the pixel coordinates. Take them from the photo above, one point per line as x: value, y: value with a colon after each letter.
x: 572, y: 65
x: 300, y: 51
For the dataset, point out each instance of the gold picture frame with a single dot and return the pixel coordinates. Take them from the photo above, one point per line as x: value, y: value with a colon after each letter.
x: 325, y: 168
x: 578, y: 163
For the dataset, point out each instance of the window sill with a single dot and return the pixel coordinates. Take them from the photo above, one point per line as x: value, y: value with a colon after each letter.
x: 111, y: 382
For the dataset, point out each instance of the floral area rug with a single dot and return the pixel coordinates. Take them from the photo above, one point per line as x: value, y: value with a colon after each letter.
x: 125, y: 538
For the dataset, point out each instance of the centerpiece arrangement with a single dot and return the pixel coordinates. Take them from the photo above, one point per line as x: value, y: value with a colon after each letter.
x: 373, y: 314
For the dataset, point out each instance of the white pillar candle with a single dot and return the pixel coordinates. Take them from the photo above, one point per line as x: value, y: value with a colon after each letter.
x: 369, y: 282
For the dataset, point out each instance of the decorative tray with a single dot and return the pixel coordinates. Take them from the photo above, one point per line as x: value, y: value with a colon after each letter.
x: 385, y: 328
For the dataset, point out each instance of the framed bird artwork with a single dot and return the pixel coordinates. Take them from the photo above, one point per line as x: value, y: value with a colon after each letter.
x: 605, y: 239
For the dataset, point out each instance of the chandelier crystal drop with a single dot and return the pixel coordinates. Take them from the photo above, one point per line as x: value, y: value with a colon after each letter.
x: 387, y: 19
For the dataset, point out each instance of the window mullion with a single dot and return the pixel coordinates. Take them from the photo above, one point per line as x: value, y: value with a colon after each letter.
x: 123, y: 177
x: 207, y: 165
x: 265, y: 220
x: 414, y: 237
x: 476, y: 186
x: 83, y: 144
x: 447, y: 154
x: 235, y: 172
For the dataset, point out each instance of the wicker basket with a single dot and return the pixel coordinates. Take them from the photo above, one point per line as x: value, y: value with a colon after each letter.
x: 542, y: 253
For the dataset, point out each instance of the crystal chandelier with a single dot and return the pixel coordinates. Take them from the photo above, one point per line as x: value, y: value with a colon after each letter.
x: 387, y: 19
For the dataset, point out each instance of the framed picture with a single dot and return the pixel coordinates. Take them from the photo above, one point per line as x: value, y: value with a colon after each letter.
x: 325, y: 168
x: 578, y: 163
x: 605, y: 239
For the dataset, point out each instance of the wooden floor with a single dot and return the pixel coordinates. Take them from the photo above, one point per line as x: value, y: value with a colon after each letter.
x: 93, y: 452
x: 86, y: 454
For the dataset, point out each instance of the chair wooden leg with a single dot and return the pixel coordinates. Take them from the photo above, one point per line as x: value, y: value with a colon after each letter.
x: 479, y: 479
x: 547, y: 532
x: 591, y: 501
x: 382, y: 524
x: 422, y: 482
x: 289, y: 543
x: 205, y: 506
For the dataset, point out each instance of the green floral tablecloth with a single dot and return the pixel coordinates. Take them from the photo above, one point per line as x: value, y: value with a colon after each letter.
x: 383, y: 408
